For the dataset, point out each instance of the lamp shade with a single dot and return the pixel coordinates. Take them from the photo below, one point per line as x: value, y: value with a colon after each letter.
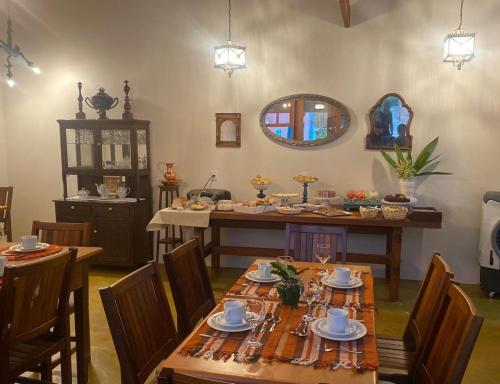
x: 230, y: 57
x: 459, y: 47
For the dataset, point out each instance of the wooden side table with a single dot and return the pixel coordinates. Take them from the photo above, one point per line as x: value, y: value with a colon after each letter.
x: 168, y: 236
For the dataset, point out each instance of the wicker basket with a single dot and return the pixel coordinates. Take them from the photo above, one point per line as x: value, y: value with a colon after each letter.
x: 394, y: 212
x: 369, y: 212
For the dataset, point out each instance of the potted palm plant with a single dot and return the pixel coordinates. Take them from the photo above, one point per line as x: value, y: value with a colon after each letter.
x: 407, y: 169
x: 289, y: 287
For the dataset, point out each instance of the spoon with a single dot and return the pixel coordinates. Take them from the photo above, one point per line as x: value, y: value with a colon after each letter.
x: 269, y: 318
x: 276, y: 320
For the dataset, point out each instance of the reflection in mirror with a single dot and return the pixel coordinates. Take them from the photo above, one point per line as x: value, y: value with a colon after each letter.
x: 228, y: 129
x: 390, y: 120
x: 304, y: 120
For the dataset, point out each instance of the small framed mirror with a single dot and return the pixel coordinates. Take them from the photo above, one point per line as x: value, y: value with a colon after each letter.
x: 390, y: 122
x: 304, y: 120
x: 228, y: 129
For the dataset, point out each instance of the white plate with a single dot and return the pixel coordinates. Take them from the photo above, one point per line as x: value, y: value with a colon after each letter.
x: 19, y: 248
x: 254, y: 276
x: 330, y: 282
x: 217, y: 322
x: 308, y: 207
x: 318, y: 328
x: 294, y: 211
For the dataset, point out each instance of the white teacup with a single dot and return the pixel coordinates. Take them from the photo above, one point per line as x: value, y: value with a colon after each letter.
x: 29, y: 242
x: 264, y: 270
x: 3, y: 261
x: 337, y: 320
x: 342, y: 275
x: 234, y: 311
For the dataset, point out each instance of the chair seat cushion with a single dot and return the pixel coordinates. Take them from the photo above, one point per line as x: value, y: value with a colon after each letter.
x: 25, y: 356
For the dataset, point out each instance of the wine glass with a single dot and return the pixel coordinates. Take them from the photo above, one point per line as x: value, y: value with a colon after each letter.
x: 286, y: 260
x: 255, y: 313
x: 323, y: 255
x: 311, y: 291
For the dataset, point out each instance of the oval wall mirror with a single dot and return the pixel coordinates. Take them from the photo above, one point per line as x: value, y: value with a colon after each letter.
x: 304, y: 120
x: 390, y: 120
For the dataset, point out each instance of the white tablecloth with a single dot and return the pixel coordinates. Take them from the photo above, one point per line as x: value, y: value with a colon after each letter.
x: 187, y: 218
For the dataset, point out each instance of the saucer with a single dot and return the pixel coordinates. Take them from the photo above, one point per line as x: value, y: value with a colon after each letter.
x: 217, y: 322
x: 319, y: 326
x: 19, y: 248
x: 351, y: 328
x: 330, y: 281
x: 254, y: 276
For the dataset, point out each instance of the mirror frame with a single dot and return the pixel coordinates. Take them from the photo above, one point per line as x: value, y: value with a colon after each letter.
x: 304, y: 144
x: 220, y: 118
x: 372, y: 123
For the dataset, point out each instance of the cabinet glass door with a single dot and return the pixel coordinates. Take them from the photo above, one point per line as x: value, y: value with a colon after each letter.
x: 80, y: 148
x: 142, y: 149
x: 116, y: 149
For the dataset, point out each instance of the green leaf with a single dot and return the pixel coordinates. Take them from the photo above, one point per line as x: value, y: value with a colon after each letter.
x: 408, y: 156
x: 433, y: 173
x: 424, y: 156
x: 389, y: 159
x: 399, y: 154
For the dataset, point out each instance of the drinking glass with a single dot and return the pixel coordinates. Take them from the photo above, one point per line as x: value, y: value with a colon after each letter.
x: 323, y: 255
x: 311, y: 291
x: 287, y: 260
x: 255, y: 313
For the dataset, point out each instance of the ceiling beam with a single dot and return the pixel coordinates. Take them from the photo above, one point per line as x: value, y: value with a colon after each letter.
x: 345, y: 9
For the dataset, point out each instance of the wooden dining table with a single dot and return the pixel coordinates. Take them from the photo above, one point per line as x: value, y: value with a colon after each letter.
x: 80, y: 288
x: 264, y: 371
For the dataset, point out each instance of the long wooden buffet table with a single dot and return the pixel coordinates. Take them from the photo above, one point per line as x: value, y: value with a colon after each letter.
x: 391, y: 229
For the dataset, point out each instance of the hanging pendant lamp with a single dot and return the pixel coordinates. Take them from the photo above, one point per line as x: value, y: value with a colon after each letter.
x: 459, y: 45
x: 230, y: 56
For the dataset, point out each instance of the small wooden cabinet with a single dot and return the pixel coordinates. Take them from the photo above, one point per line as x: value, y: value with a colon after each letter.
x: 95, y: 152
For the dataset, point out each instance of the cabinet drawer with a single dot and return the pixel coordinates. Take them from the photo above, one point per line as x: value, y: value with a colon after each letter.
x: 111, y: 211
x: 73, y: 210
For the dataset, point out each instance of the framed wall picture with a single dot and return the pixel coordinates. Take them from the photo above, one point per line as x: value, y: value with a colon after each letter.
x: 228, y: 129
x: 112, y: 182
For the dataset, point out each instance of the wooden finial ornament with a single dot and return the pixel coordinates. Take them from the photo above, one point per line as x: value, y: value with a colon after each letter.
x: 80, y: 114
x: 127, y: 115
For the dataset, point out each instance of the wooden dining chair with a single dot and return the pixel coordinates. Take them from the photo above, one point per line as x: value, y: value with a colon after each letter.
x: 5, y: 214
x: 445, y: 358
x: 140, y: 321
x: 67, y: 234
x: 397, y: 355
x: 190, y: 285
x: 304, y: 238
x: 34, y: 321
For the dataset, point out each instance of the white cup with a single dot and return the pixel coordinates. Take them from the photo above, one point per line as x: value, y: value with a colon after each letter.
x: 3, y: 261
x: 264, y: 270
x: 29, y: 242
x: 342, y: 275
x: 337, y: 320
x: 234, y: 311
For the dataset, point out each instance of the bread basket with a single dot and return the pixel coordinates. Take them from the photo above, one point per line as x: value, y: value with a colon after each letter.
x: 394, y: 212
x: 369, y: 212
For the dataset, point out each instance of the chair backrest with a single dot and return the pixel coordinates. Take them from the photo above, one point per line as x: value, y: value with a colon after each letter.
x: 68, y: 234
x: 190, y: 284
x: 429, y: 300
x: 140, y: 321
x: 5, y: 214
x: 34, y: 298
x: 304, y: 238
x: 445, y: 358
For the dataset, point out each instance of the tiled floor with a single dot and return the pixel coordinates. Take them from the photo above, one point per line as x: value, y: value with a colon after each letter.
x: 391, y: 319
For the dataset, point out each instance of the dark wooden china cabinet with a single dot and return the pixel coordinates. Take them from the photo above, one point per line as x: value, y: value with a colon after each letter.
x: 115, y: 153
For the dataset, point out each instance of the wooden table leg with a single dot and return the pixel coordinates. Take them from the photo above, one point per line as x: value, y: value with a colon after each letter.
x: 215, y: 243
x: 388, y: 250
x: 82, y: 327
x: 395, y: 262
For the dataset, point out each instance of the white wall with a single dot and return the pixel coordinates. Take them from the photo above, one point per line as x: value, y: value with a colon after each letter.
x: 165, y: 49
x: 3, y: 154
